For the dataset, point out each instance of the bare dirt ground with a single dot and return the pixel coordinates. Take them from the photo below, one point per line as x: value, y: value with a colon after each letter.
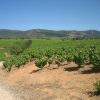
x: 5, y: 94
x: 56, y: 84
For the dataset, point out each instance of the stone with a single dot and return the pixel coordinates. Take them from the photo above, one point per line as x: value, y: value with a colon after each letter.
x: 36, y: 69
x: 53, y: 66
x: 64, y: 63
x: 1, y: 64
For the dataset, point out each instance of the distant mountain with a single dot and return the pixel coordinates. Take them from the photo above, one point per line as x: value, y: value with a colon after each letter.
x: 5, y: 33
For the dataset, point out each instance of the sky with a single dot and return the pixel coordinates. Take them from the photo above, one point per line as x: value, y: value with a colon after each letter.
x: 50, y: 14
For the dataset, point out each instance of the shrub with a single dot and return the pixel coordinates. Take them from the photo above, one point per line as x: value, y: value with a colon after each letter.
x: 41, y: 62
x: 8, y: 64
x: 79, y: 59
x: 19, y: 47
x: 96, y: 61
x: 97, y: 86
x: 50, y: 60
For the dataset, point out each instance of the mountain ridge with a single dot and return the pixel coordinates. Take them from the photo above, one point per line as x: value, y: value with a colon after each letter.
x: 8, y: 33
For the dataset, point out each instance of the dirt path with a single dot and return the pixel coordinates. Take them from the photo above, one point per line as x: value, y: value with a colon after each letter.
x: 5, y: 95
x: 5, y: 92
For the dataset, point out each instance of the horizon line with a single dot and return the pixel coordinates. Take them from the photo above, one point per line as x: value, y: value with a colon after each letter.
x: 49, y: 29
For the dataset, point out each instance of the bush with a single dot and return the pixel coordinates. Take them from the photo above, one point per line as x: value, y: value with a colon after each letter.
x: 19, y: 47
x: 8, y: 64
x: 41, y: 62
x: 97, y: 86
x: 50, y: 60
x: 79, y: 59
x: 96, y: 61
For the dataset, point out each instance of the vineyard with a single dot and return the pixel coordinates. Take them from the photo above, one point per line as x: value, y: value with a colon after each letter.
x: 17, y: 52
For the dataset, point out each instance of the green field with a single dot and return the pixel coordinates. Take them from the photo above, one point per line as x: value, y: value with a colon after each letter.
x: 52, y: 42
x: 85, y: 51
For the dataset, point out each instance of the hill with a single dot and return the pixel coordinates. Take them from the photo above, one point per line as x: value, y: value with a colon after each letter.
x: 5, y: 33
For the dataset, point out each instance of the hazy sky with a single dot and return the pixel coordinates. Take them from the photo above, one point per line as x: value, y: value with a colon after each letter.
x: 50, y: 14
